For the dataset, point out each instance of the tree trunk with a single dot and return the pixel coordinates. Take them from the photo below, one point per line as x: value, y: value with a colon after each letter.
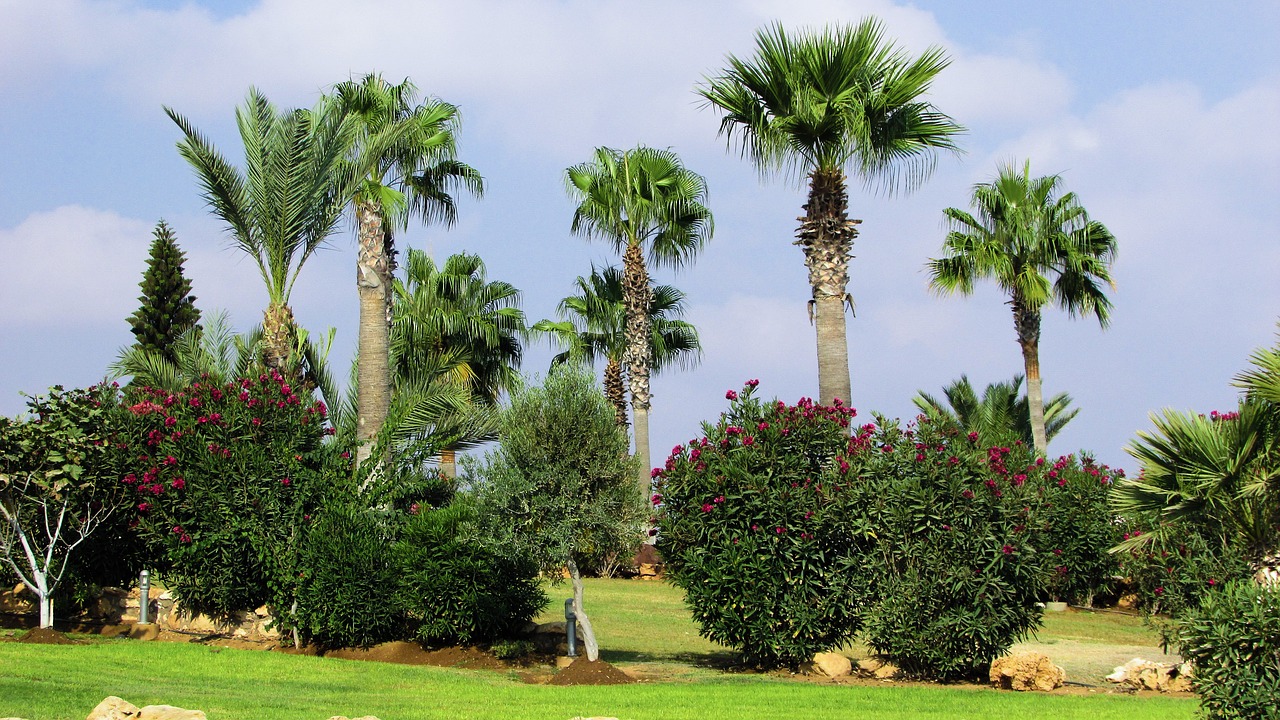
x: 278, y: 338
x: 1027, y: 323
x: 1266, y: 568
x: 615, y: 390
x: 588, y: 633
x: 826, y: 236
x: 449, y: 464
x: 373, y: 285
x: 637, y: 296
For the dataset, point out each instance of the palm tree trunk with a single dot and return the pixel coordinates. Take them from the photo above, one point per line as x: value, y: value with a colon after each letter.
x: 826, y: 236
x: 615, y: 390
x: 278, y: 333
x: 1266, y: 568
x: 1027, y: 322
x: 636, y: 295
x: 373, y: 284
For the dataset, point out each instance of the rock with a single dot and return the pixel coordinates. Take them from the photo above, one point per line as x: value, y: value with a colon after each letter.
x: 887, y: 671
x: 867, y: 667
x: 262, y: 612
x: 18, y: 601
x: 1128, y: 601
x: 563, y: 662
x: 114, y: 708
x: 648, y: 570
x: 1139, y: 674
x: 833, y: 665
x: 1026, y: 671
x: 169, y: 712
x: 1122, y: 672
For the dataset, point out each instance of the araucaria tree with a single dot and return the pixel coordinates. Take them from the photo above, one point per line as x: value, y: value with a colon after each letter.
x: 817, y: 105
x: 286, y: 201
x: 168, y: 307
x: 1041, y: 247
x: 405, y: 152
x: 640, y: 200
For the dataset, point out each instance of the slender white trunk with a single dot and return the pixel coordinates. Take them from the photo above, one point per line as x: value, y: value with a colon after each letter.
x: 588, y: 633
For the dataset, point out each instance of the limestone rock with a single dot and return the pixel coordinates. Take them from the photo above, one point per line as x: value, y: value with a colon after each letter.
x: 1139, y: 674
x: 887, y: 671
x: 169, y: 712
x: 18, y: 600
x: 114, y: 708
x: 1026, y: 671
x: 833, y: 665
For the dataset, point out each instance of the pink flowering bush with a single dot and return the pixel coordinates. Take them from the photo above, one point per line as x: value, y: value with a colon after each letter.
x: 1079, y: 528
x: 225, y: 479
x: 755, y: 535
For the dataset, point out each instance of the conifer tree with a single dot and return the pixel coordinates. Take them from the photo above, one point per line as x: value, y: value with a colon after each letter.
x: 168, y: 307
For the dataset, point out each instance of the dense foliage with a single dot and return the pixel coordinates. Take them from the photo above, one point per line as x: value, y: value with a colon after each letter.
x: 1079, y: 528
x: 1233, y: 640
x: 168, y: 307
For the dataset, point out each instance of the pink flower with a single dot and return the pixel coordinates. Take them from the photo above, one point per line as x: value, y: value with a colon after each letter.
x: 256, y: 421
x: 748, y: 440
x: 656, y: 499
x: 706, y: 507
x: 752, y: 383
x: 1007, y: 549
x: 968, y: 494
x: 731, y: 395
x: 946, y: 527
x: 194, y: 402
x: 414, y: 508
x: 718, y: 499
x: 953, y: 460
x: 887, y: 449
x: 178, y: 483
x: 677, y: 450
x: 779, y: 530
x: 170, y: 460
x: 755, y: 527
x: 170, y: 421
x: 185, y: 539
x: 655, y: 473
x: 733, y: 430
x: 285, y: 482
x: 1057, y: 551
x: 762, y: 426
x: 973, y: 437
x: 144, y: 507
x: 285, y: 390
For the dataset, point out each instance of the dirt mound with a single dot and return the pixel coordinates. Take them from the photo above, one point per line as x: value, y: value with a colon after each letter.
x: 45, y: 636
x: 584, y: 672
x: 408, y: 653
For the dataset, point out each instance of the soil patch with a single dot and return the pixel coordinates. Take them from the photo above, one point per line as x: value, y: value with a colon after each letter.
x: 45, y: 636
x: 584, y: 672
x: 408, y: 653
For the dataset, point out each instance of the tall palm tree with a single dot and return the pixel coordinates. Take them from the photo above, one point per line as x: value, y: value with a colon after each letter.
x: 412, y: 176
x: 1025, y: 229
x: 593, y: 325
x: 638, y: 200
x: 1002, y: 411
x: 818, y: 104
x: 284, y: 204
x: 452, y: 326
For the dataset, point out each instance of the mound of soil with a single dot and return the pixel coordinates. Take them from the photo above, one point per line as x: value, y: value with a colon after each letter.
x: 408, y: 653
x: 45, y: 636
x: 584, y: 672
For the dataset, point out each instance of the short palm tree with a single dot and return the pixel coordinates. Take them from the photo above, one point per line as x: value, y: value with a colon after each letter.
x: 593, y: 325
x: 640, y: 200
x: 286, y: 202
x: 1002, y: 411
x: 407, y: 154
x: 1041, y: 247
x: 819, y: 104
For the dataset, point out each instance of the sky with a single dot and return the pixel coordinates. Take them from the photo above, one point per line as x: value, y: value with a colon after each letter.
x: 1161, y: 116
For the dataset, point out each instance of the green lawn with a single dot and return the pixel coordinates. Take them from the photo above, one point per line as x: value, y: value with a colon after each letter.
x: 642, y: 626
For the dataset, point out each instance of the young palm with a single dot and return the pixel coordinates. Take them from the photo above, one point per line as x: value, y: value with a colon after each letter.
x: 1002, y: 411
x: 1041, y: 247
x: 285, y: 203
x: 593, y: 326
x: 821, y: 104
x: 414, y: 175
x: 640, y: 199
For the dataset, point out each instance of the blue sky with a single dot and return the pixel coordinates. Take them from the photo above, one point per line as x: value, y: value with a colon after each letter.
x: 1160, y: 115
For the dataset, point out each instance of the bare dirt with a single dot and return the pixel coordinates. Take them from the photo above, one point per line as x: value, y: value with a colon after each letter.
x: 46, y: 636
x: 585, y: 672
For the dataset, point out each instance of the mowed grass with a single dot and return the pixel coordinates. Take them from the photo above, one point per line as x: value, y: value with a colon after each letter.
x: 643, y: 626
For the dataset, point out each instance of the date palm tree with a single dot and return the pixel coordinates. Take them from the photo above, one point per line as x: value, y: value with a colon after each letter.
x: 818, y: 105
x: 640, y: 200
x: 593, y: 325
x: 1002, y: 411
x: 413, y: 175
x: 1041, y: 247
x: 285, y: 203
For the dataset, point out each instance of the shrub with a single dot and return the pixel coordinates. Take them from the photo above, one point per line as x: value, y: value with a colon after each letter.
x: 754, y: 536
x: 1173, y: 573
x: 455, y: 590
x: 1233, y: 640
x: 1079, y: 528
x: 224, y: 479
x: 956, y: 568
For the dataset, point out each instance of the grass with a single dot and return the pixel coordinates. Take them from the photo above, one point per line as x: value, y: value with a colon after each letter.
x: 642, y: 625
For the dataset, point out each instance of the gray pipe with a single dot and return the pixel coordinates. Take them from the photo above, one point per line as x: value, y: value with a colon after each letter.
x: 571, y: 627
x: 144, y: 598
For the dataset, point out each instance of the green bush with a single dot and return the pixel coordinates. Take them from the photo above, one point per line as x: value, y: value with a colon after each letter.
x: 1079, y: 528
x: 1233, y: 640
x: 755, y: 536
x: 453, y: 589
x: 1178, y: 569
x: 957, y: 567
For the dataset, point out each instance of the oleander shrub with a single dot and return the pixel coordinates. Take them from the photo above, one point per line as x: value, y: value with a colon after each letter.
x: 1175, y: 570
x: 751, y: 527
x: 1080, y: 528
x: 958, y: 564
x: 1233, y: 640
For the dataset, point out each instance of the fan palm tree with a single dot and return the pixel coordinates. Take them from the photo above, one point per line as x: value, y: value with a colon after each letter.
x: 412, y: 176
x: 593, y: 325
x: 1025, y: 229
x: 284, y: 204
x: 1002, y: 411
x: 640, y: 200
x: 818, y: 105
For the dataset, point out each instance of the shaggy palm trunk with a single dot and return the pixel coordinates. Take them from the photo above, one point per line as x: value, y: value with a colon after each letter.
x: 616, y: 391
x: 449, y: 464
x: 373, y: 284
x: 278, y: 337
x: 588, y: 633
x: 1027, y: 323
x: 826, y: 236
x: 1266, y: 568
x: 637, y: 297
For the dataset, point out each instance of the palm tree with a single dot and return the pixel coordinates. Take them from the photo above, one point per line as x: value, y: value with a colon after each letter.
x: 1002, y: 411
x: 284, y: 204
x: 1025, y: 229
x: 593, y: 326
x: 640, y: 199
x: 816, y: 105
x: 452, y: 326
x: 412, y: 176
